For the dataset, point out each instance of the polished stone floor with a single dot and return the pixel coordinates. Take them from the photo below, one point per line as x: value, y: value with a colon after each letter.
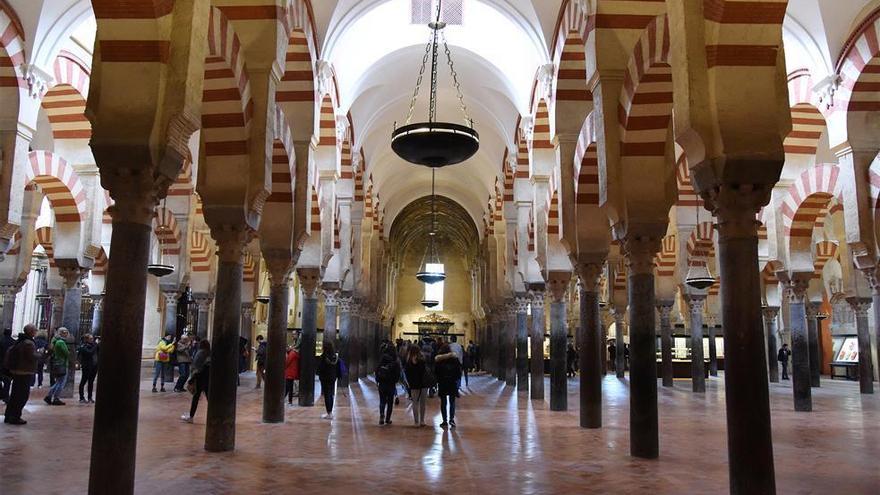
x: 504, y: 444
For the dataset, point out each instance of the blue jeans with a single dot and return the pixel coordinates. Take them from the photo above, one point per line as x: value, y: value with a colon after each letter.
x: 159, y: 368
x: 55, y: 390
x: 183, y: 368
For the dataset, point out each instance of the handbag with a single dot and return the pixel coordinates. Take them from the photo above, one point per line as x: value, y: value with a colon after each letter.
x: 163, y: 356
x: 430, y: 380
x: 191, y: 385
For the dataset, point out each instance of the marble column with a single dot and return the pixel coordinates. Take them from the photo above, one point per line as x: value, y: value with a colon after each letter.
x: 498, y: 343
x: 70, y: 318
x: 749, y: 439
x: 772, y: 330
x: 309, y: 279
x: 713, y: 351
x: 644, y: 429
x: 56, y: 296
x: 510, y: 345
x: 97, y: 313
x: 619, y: 345
x: 115, y: 424
x: 861, y: 306
x: 171, y: 295
x: 345, y: 327
x: 222, y: 393
x: 592, y: 345
x: 812, y: 310
x: 873, y: 276
x: 522, y: 345
x: 363, y: 345
x: 664, y: 307
x: 800, y: 347
x: 331, y: 298
x: 7, y: 294
x: 354, y: 344
x: 536, y: 371
x: 695, y: 304
x: 279, y: 268
x: 558, y: 343
x: 204, y: 302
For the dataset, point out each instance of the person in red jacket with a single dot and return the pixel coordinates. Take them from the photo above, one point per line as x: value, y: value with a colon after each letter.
x: 291, y: 375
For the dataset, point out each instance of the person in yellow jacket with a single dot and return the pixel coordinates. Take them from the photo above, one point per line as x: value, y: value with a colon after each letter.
x: 163, y: 359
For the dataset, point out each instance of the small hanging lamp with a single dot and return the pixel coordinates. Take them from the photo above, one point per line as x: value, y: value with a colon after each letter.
x: 161, y: 269
x: 699, y: 276
x: 429, y: 271
x: 430, y: 303
x: 435, y: 144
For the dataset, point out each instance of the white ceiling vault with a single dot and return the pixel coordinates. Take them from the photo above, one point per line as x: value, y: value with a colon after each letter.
x: 376, y: 53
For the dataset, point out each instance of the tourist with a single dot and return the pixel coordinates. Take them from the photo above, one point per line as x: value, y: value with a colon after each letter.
x: 6, y: 343
x: 387, y: 375
x: 162, y: 359
x: 291, y: 374
x: 21, y: 362
x: 183, y: 351
x: 429, y: 350
x: 42, y: 344
x: 60, y: 354
x: 87, y: 354
x: 455, y: 347
x: 199, y: 378
x: 328, y: 372
x: 612, y: 354
x: 783, y: 356
x: 448, y: 371
x: 467, y: 365
x: 418, y: 381
x: 260, y: 354
x: 571, y: 357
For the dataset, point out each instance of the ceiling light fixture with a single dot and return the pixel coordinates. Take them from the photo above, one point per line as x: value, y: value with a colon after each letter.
x: 435, y: 144
x: 161, y: 269
x: 430, y: 270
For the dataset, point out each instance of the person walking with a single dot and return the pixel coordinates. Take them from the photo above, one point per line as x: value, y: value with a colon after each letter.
x: 387, y: 375
x: 87, y: 355
x: 612, y: 355
x: 183, y: 351
x: 199, y: 379
x: 782, y: 357
x: 21, y: 361
x: 571, y: 356
x: 260, y: 354
x: 448, y: 370
x: 467, y: 365
x: 418, y: 381
x: 42, y: 344
x: 291, y: 375
x: 162, y: 359
x: 58, y: 366
x: 328, y: 372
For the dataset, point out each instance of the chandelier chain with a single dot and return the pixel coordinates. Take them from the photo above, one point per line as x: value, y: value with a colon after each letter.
x: 415, y: 96
x: 464, y: 110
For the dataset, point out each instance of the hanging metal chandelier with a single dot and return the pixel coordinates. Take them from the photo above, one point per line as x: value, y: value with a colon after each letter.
x: 435, y: 144
x: 430, y: 269
x: 161, y: 269
x: 699, y: 277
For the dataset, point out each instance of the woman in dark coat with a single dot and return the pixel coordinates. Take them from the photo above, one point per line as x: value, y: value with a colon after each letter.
x: 448, y: 370
x: 387, y: 375
x: 328, y: 372
x: 200, y: 375
x: 417, y: 382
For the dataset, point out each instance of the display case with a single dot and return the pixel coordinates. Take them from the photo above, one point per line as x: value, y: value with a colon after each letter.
x: 845, y: 352
x: 681, y: 354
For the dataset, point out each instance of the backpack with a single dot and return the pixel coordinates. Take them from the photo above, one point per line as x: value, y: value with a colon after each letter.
x: 10, y: 360
x: 430, y: 380
x: 383, y: 373
x: 343, y: 368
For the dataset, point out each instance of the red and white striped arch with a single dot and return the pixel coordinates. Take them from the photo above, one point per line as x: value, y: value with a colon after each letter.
x: 315, y: 213
x: 768, y: 274
x: 327, y: 122
x: 859, y: 68
x: 43, y: 238
x: 645, y: 108
x: 11, y: 55
x: 522, y: 156
x: 509, y: 177
x: 569, y: 54
x: 15, y: 246
x: 65, y: 102
x: 807, y: 198
x: 701, y: 244
x: 665, y: 259
x: 226, y: 100
x: 101, y: 263
x: 283, y: 161
x: 346, y: 171
x: 183, y: 184
x: 586, y: 165
x: 199, y: 252
x: 619, y: 284
x: 60, y: 183
x: 167, y: 231
x: 807, y: 126
x: 825, y: 252
x: 541, y: 135
x: 249, y: 269
x: 687, y: 195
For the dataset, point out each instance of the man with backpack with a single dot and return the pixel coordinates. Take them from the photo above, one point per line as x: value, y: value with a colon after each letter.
x: 6, y: 342
x: 58, y: 366
x: 21, y: 361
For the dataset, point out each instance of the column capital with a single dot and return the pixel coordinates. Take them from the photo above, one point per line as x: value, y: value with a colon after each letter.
x: 309, y: 278
x: 796, y: 288
x: 873, y: 279
x: 171, y: 296
x: 664, y: 307
x: 590, y: 274
x: 71, y: 273
x: 736, y: 208
x: 344, y: 303
x: 279, y: 265
x: 231, y: 241
x: 56, y: 296
x: 522, y: 304
x: 557, y: 284
x: 331, y: 297
x: 97, y: 301
x: 811, y: 308
x: 135, y: 192
x: 696, y: 302
x: 640, y: 252
x: 860, y: 305
x: 770, y: 312
x: 537, y: 299
x: 247, y: 310
x: 203, y: 299
x: 10, y: 290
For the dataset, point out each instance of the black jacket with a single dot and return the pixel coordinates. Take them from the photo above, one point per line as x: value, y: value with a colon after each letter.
x: 88, y: 355
x: 448, y: 371
x: 388, y: 373
x: 328, y: 368
x: 415, y: 375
